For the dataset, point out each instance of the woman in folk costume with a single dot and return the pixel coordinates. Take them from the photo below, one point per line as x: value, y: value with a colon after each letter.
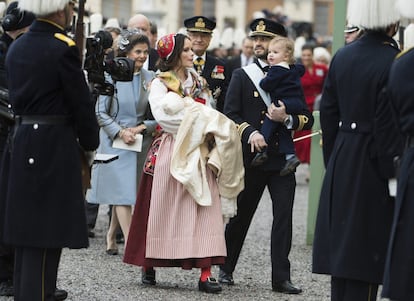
x: 355, y: 208
x: 198, y: 173
x: 399, y: 268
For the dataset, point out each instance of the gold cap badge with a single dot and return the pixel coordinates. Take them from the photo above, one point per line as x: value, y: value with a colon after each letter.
x: 261, y: 26
x: 200, y: 23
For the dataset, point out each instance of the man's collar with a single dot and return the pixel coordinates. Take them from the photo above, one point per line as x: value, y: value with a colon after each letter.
x: 262, y: 63
x: 202, y: 56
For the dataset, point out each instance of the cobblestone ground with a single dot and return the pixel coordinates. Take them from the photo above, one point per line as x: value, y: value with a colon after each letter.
x: 90, y: 274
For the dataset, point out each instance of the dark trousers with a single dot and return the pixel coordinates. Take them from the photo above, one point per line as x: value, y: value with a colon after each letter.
x: 91, y: 214
x: 6, y: 252
x: 35, y: 273
x: 6, y: 263
x: 282, y: 191
x: 352, y: 290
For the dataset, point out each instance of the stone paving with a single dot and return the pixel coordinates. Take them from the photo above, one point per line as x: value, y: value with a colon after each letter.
x: 90, y: 274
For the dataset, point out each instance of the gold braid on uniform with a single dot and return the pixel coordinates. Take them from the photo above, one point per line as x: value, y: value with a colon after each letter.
x: 242, y: 127
x: 402, y: 53
x: 66, y: 39
x: 303, y: 120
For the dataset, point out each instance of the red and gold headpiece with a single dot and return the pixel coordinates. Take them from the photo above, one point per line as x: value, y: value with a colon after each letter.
x: 165, y: 46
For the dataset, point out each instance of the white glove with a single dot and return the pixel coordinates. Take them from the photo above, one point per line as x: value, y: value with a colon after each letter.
x: 228, y: 208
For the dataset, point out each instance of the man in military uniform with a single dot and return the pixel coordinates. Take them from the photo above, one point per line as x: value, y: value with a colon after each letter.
x: 200, y: 31
x: 399, y: 267
x: 247, y: 105
x: 355, y: 208
x: 14, y: 24
x: 41, y: 199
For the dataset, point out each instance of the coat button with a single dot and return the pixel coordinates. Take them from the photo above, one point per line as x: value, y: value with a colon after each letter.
x: 353, y: 125
x: 31, y: 161
x: 340, y: 123
x: 35, y: 126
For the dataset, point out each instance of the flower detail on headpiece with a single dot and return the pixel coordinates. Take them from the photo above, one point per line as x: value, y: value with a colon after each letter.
x: 124, y: 38
x: 165, y: 46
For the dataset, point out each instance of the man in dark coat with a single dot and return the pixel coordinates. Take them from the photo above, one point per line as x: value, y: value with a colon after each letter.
x: 245, y: 58
x: 355, y: 210
x: 399, y: 270
x: 246, y: 105
x: 200, y: 30
x: 399, y: 267
x: 41, y: 200
x: 14, y: 23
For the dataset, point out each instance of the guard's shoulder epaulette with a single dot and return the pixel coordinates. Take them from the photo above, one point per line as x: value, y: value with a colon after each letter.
x: 66, y: 39
x: 403, y: 52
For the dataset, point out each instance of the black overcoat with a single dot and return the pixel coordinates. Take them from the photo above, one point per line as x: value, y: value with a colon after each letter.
x: 399, y: 271
x: 355, y: 209
x: 233, y: 64
x: 41, y: 199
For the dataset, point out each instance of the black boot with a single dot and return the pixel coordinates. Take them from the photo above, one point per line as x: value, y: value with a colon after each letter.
x: 259, y: 159
x: 290, y: 166
x: 210, y: 286
x: 148, y: 276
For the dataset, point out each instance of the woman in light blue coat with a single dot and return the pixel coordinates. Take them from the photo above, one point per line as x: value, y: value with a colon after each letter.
x: 123, y: 116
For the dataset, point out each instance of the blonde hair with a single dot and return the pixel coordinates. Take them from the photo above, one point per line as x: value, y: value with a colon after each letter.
x: 288, y: 46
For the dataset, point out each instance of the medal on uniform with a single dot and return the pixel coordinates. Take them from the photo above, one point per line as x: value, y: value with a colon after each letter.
x: 218, y: 72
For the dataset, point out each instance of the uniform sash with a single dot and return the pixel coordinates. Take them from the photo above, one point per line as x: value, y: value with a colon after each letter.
x: 256, y: 74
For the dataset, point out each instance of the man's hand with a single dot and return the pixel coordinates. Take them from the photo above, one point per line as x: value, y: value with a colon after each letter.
x: 257, y: 142
x: 277, y: 114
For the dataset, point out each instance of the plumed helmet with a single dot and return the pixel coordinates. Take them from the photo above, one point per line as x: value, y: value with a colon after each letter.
x: 43, y: 7
x: 372, y: 14
x: 406, y: 8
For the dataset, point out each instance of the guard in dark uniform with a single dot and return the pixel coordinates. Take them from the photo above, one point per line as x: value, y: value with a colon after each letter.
x: 355, y: 208
x: 41, y: 200
x: 399, y: 267
x: 14, y: 23
x: 247, y: 106
x: 200, y: 30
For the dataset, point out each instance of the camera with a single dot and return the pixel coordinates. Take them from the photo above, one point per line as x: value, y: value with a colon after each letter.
x: 120, y: 69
